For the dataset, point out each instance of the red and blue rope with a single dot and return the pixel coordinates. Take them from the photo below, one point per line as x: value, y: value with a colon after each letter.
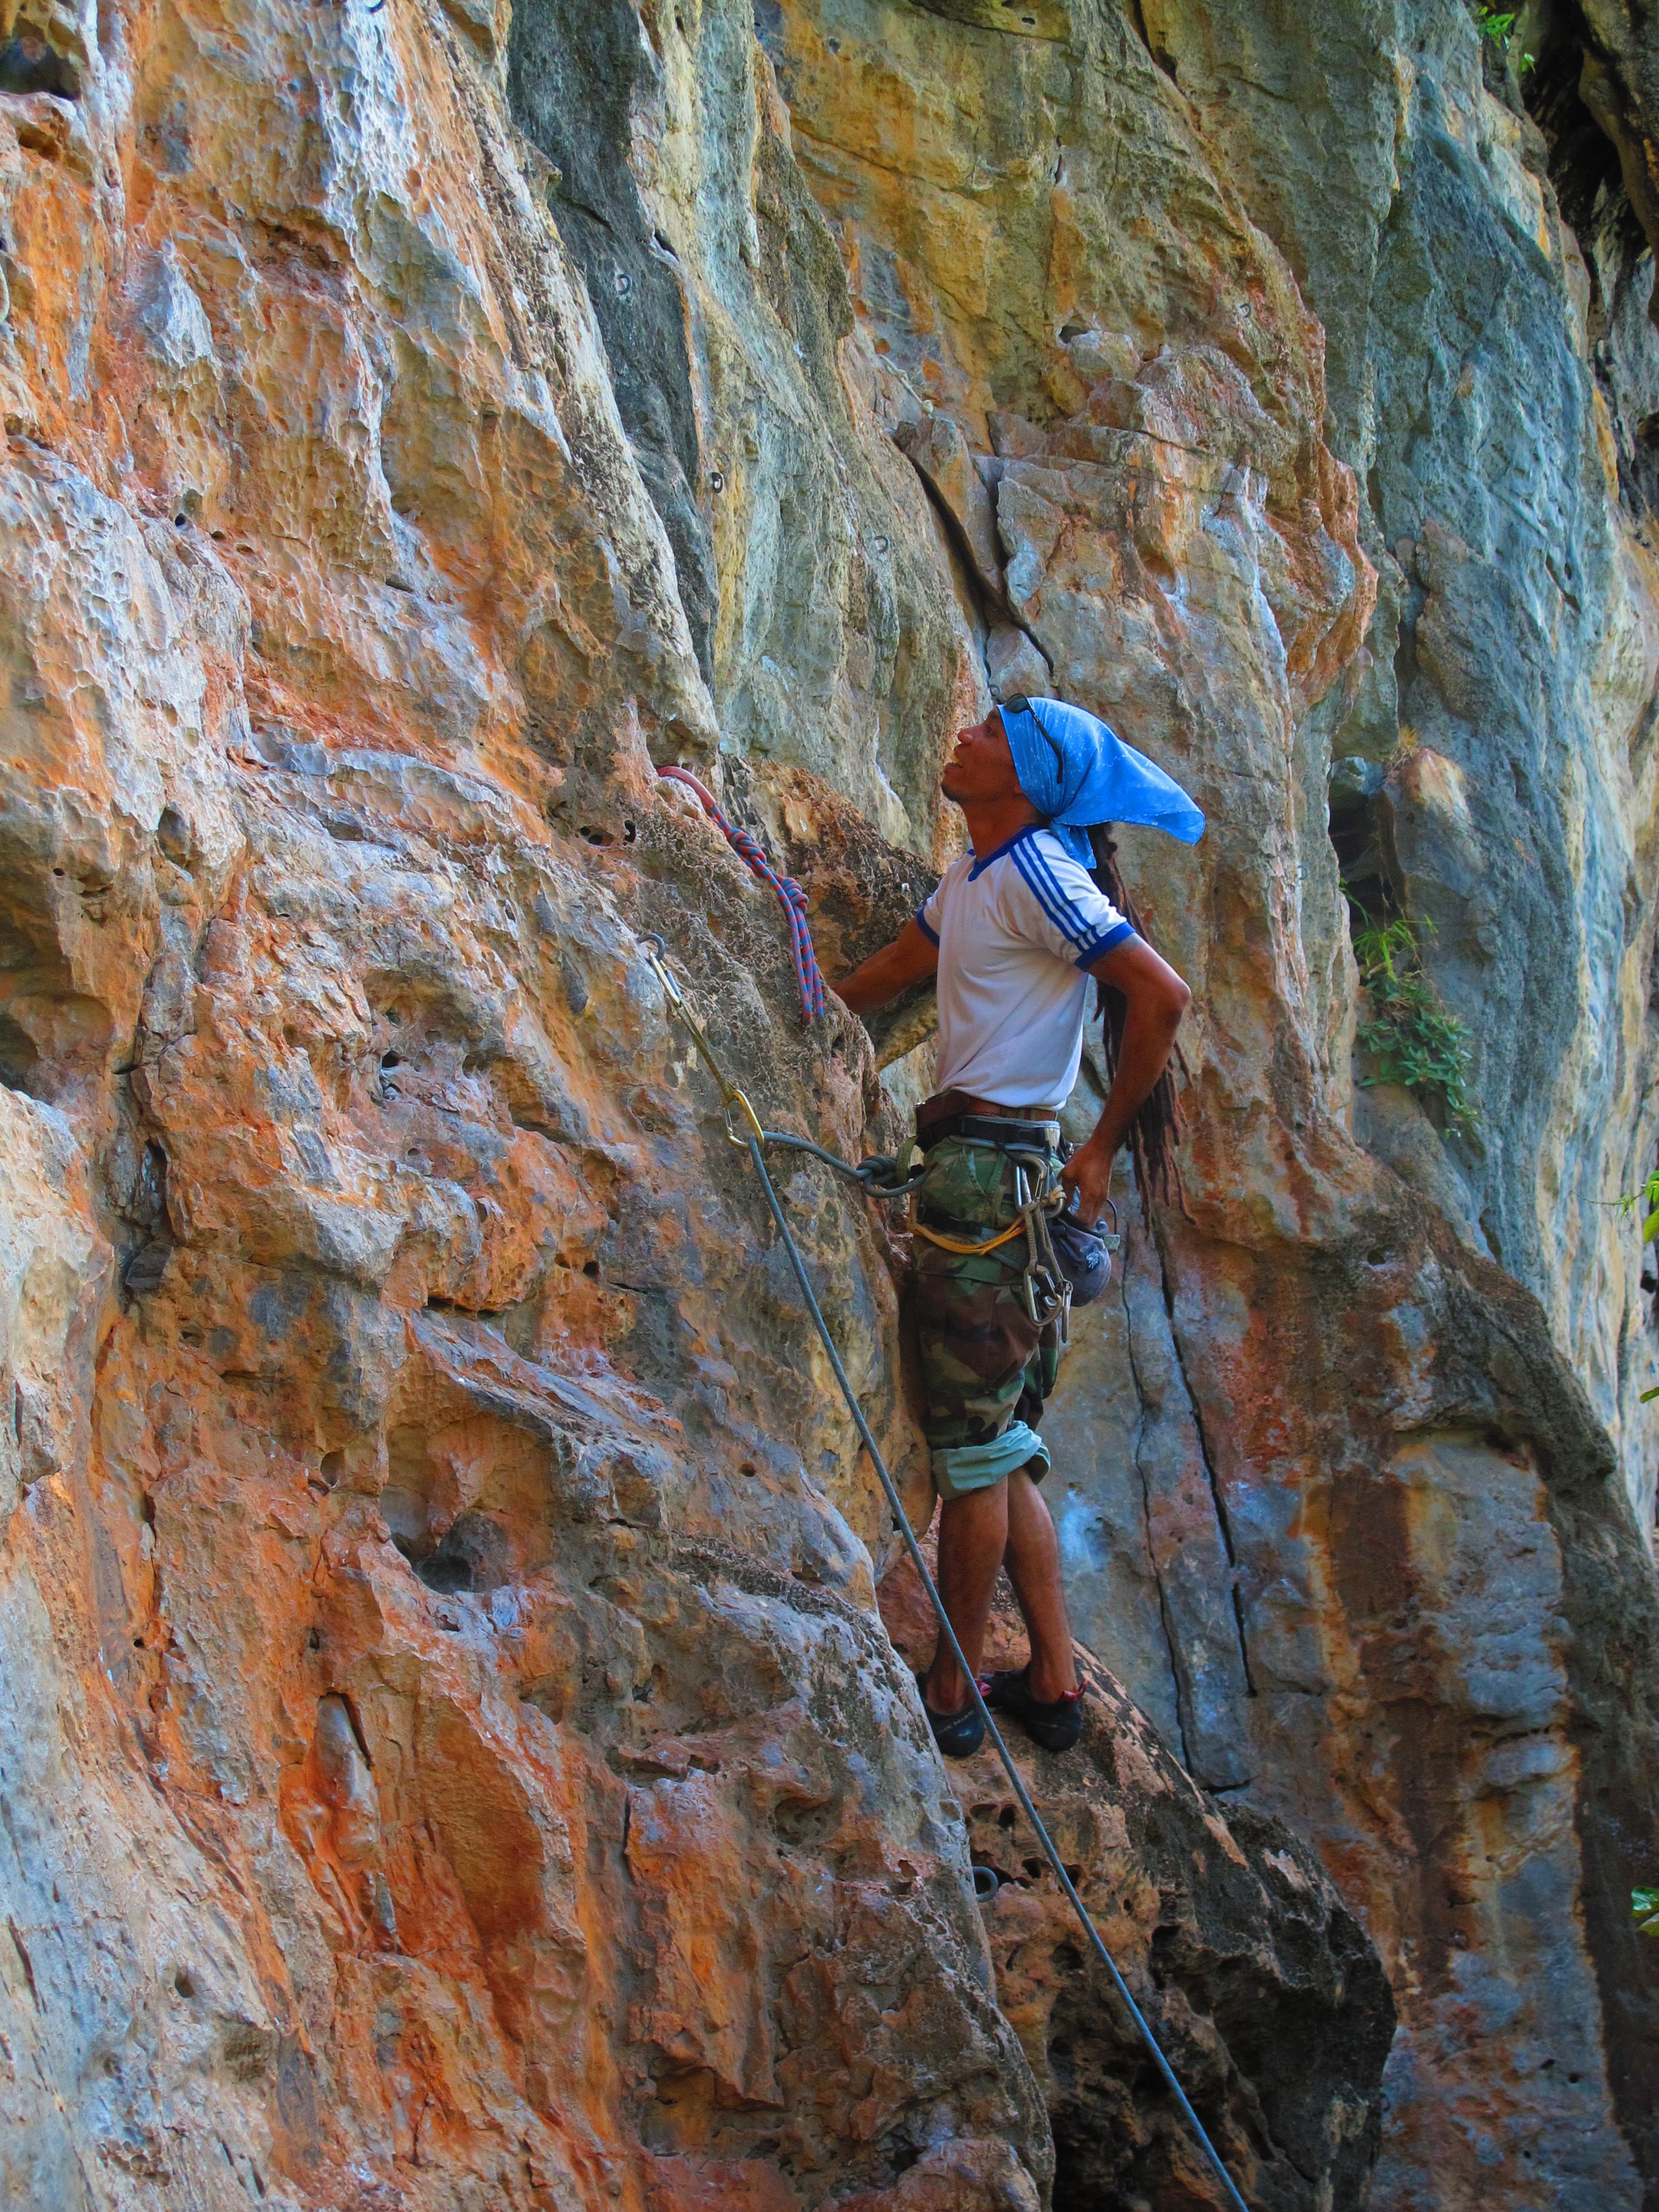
x: 808, y: 981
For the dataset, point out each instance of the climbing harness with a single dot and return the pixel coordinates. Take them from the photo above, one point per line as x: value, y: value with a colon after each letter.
x: 1065, y: 1262
x: 1037, y: 1197
x: 879, y: 1179
x: 808, y: 981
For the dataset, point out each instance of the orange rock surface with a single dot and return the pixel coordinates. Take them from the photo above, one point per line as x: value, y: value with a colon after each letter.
x: 452, y: 1754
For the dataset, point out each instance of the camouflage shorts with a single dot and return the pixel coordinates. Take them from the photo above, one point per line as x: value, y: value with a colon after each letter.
x: 986, y: 1366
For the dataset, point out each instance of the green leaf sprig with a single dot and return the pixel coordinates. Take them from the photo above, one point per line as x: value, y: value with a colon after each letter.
x: 1410, y: 1036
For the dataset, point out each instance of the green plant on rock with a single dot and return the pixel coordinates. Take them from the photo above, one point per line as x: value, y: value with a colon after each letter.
x: 1648, y: 1199
x: 1498, y: 26
x: 1644, y: 1903
x: 1410, y: 1036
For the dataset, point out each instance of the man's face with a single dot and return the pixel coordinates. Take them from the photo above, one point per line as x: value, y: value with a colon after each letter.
x: 981, y: 769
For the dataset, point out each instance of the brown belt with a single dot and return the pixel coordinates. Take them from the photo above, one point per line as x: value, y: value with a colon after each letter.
x: 943, y: 1105
x: 1015, y: 1113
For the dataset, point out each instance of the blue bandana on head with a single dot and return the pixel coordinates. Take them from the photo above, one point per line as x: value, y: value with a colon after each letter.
x: 1077, y: 772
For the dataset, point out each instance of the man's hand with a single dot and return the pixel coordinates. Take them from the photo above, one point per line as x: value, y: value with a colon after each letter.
x: 1157, y: 1000
x: 1088, y: 1177
x: 911, y: 956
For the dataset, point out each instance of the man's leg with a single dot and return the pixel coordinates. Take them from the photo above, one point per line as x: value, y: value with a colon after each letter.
x: 1034, y: 1570
x: 976, y: 1342
x: 973, y: 1535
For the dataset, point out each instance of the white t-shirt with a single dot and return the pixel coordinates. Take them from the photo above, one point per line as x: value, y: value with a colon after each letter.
x: 1016, y: 933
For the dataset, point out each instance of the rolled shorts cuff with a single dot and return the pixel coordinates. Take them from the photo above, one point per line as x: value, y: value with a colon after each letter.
x: 960, y: 1469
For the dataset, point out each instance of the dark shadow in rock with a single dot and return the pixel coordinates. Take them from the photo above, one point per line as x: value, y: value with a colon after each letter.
x: 20, y: 1060
x: 50, y: 1038
x: 574, y: 69
x: 147, y: 1266
x: 29, y: 63
x: 474, y: 1555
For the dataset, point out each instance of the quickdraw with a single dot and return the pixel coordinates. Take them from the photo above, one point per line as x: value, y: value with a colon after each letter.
x: 875, y: 1176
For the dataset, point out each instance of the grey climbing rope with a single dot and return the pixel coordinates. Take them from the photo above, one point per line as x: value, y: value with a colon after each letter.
x: 754, y: 1138
x: 874, y: 1177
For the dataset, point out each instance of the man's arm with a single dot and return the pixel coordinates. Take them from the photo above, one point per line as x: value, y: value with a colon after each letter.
x: 1157, y: 1000
x: 911, y: 956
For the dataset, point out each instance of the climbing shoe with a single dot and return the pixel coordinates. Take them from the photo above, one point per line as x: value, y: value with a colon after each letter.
x: 1055, y: 1724
x: 958, y: 1735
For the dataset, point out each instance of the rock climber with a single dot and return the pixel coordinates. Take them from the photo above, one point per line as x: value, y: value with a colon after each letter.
x: 1015, y: 932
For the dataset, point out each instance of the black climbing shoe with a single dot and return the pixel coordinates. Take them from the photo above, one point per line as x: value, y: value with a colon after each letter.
x: 958, y: 1735
x: 1056, y: 1725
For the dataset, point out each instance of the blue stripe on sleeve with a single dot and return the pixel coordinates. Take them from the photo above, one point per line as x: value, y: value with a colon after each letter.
x: 922, y: 924
x: 1048, y: 896
x: 1106, y: 942
x: 1067, y: 898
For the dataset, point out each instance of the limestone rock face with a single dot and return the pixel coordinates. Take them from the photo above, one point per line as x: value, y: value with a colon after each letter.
x: 453, y: 1755
x: 1186, y: 549
x: 1263, y: 1987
